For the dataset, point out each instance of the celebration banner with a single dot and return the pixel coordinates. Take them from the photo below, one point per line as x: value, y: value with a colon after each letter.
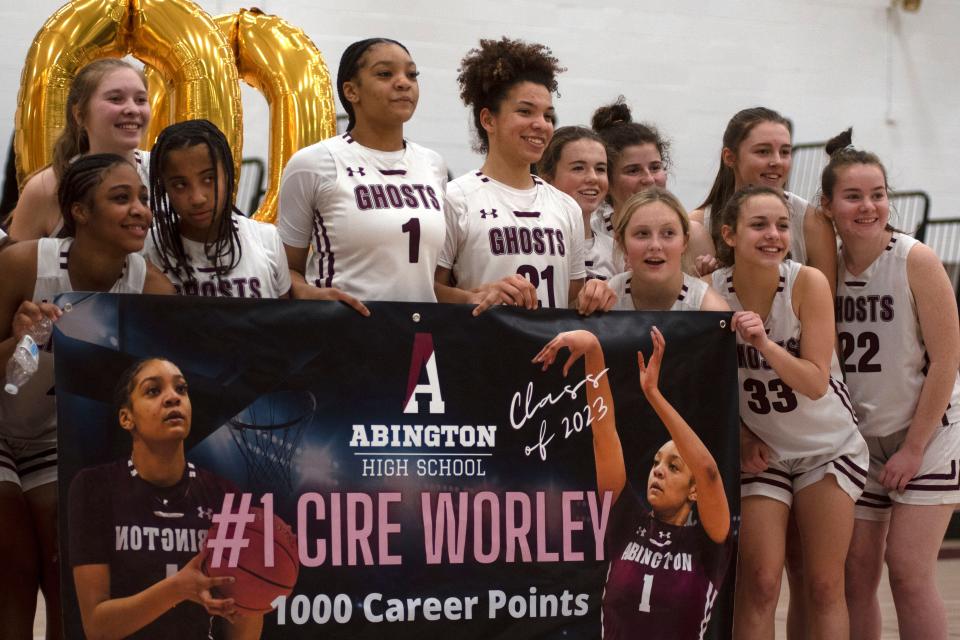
x: 437, y: 481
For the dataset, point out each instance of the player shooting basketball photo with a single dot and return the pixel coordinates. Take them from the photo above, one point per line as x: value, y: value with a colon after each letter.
x: 137, y: 526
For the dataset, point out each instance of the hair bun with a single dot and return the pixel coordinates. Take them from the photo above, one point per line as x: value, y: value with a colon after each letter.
x: 840, y: 142
x: 611, y: 115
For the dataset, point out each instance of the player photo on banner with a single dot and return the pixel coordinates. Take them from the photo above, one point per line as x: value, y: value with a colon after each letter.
x: 417, y: 472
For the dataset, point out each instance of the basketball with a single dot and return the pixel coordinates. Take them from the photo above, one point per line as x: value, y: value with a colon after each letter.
x: 258, y: 585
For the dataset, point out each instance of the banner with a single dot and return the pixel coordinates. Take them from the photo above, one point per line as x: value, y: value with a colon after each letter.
x: 437, y: 481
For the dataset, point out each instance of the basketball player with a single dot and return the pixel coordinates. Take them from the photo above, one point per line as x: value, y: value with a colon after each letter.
x: 575, y: 162
x: 898, y: 329
x: 757, y: 147
x: 104, y: 207
x: 510, y: 235
x: 361, y: 214
x: 673, y: 600
x: 107, y: 111
x: 132, y: 582
x: 807, y: 455
x: 652, y: 231
x: 200, y: 240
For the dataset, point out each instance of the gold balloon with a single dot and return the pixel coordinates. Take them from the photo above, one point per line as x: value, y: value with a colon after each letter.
x: 281, y: 62
x: 175, y: 37
x: 161, y: 109
x: 78, y: 33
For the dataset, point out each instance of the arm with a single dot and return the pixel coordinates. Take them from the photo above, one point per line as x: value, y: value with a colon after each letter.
x: 808, y: 374
x: 155, y: 282
x: 821, y: 243
x: 713, y: 301
x: 513, y: 290
x: 37, y: 212
x: 607, y: 451
x: 300, y: 288
x: 940, y: 329
x: 700, y: 248
x: 18, y: 313
x: 711, y: 497
x: 245, y: 627
x: 104, y: 617
x: 592, y: 295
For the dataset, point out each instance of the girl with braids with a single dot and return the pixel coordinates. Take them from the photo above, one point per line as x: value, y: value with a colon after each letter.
x: 801, y: 452
x: 511, y: 237
x: 361, y: 214
x: 105, y: 213
x: 200, y: 240
x: 757, y: 148
x: 107, y: 111
x: 900, y: 359
x: 652, y: 231
x: 575, y: 162
x: 665, y: 601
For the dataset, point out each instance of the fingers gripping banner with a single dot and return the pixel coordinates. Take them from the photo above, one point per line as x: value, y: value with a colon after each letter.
x: 434, y: 479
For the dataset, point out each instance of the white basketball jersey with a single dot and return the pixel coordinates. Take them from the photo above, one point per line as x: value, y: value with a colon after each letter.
x: 790, y: 423
x: 599, y: 259
x: 32, y: 414
x: 494, y: 231
x: 689, y: 298
x: 376, y: 223
x: 601, y: 221
x: 261, y: 273
x: 797, y: 207
x: 884, y: 357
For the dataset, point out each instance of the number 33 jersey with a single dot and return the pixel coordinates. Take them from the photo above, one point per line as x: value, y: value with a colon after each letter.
x: 494, y: 231
x: 373, y: 219
x: 885, y: 359
x: 790, y: 423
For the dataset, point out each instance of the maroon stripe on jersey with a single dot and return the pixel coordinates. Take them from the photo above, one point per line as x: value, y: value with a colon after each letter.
x: 323, y: 248
x: 536, y: 180
x: 482, y: 177
x: 393, y: 172
x: 775, y: 483
x: 783, y: 281
x: 627, y: 286
x: 854, y: 479
x: 855, y: 283
x: 952, y: 474
x: 892, y: 242
x: 730, y: 288
x: 841, y: 391
x: 683, y: 293
x: 527, y: 214
x: 348, y: 138
x: 874, y: 505
x: 8, y: 465
x: 27, y: 469
x: 52, y: 451
x: 859, y: 470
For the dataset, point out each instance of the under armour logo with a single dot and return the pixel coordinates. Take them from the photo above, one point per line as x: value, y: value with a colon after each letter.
x: 359, y: 171
x: 641, y: 531
x: 484, y: 213
x: 664, y: 535
x: 205, y: 513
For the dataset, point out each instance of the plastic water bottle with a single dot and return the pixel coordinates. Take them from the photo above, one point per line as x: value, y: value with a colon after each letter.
x: 26, y: 357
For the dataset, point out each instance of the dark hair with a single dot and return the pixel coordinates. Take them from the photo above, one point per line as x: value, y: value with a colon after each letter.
x: 843, y: 154
x: 80, y: 180
x: 547, y: 167
x: 488, y: 73
x: 73, y: 139
x: 615, y: 125
x: 731, y: 213
x: 224, y: 248
x: 124, y: 387
x: 738, y: 128
x: 350, y: 64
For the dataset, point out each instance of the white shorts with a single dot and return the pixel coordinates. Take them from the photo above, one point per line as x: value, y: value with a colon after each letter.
x: 937, y: 481
x: 784, y: 478
x: 27, y: 464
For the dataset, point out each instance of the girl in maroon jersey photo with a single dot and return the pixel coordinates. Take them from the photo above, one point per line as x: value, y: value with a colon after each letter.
x: 665, y: 570
x: 127, y: 579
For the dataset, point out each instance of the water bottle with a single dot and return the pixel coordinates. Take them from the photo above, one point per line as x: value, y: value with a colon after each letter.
x: 26, y: 357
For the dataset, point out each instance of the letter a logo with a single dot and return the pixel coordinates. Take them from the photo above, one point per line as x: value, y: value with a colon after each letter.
x: 423, y: 358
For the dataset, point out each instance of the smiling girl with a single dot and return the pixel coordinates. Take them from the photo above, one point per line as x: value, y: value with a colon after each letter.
x: 361, y: 214
x: 901, y: 355
x: 200, y: 240
x: 511, y: 237
x: 104, y: 207
x: 107, y: 111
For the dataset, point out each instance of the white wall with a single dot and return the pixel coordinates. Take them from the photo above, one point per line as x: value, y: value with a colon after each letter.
x: 685, y: 65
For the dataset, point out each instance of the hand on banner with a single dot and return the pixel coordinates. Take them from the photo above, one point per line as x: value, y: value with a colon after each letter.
x: 514, y: 290
x: 750, y: 327
x: 29, y: 314
x: 650, y: 372
x: 901, y: 468
x: 578, y: 342
x: 754, y: 453
x: 705, y: 264
x: 332, y: 293
x: 595, y: 295
x: 194, y: 585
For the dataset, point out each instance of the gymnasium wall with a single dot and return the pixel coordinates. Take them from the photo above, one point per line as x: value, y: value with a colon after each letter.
x: 684, y: 65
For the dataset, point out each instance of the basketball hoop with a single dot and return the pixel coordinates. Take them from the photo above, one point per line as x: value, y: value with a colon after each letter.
x: 268, y: 432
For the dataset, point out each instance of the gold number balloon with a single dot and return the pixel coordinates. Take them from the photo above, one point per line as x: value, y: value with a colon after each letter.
x: 175, y: 37
x: 281, y: 62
